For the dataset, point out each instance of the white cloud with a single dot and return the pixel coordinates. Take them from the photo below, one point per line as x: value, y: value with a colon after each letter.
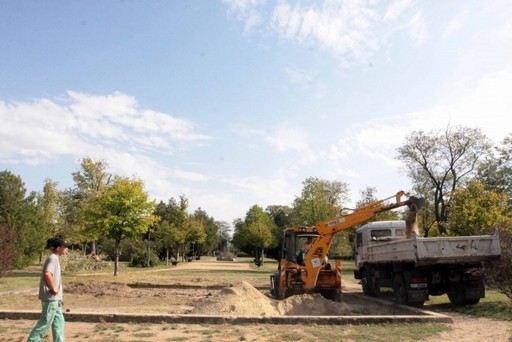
x: 456, y: 24
x: 417, y: 28
x: 352, y: 31
x: 77, y: 123
x: 247, y: 11
x: 396, y: 9
x: 286, y: 138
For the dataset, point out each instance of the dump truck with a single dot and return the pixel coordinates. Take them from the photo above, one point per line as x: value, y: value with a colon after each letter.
x: 417, y: 267
x: 307, y: 270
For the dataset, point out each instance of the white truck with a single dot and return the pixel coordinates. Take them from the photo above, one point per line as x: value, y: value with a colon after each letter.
x: 418, y: 267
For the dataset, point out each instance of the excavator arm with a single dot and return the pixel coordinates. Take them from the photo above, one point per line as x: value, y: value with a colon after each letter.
x: 327, y: 229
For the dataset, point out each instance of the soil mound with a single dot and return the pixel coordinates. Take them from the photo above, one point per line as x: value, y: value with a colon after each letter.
x: 240, y: 299
x: 312, y: 305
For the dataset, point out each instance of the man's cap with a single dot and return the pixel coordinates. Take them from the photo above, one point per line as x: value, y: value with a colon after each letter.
x: 57, y: 242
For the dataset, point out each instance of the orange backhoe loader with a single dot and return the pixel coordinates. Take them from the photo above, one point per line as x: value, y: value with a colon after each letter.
x: 304, y: 269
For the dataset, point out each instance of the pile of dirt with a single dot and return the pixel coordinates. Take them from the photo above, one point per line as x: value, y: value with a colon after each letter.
x: 240, y: 299
x: 312, y: 305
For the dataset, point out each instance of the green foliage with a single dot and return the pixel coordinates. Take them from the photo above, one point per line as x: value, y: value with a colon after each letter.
x: 7, y: 251
x: 319, y: 200
x: 257, y: 231
x: 120, y: 211
x: 443, y: 160
x: 473, y: 210
x: 127, y: 248
x: 499, y: 272
x: 140, y: 258
x: 20, y: 214
x: 496, y: 172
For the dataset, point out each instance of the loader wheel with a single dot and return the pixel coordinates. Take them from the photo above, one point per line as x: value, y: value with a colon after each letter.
x: 399, y: 289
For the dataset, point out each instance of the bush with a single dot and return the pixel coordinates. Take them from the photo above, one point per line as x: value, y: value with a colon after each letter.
x: 128, y: 249
x: 499, y: 272
x: 140, y: 259
x: 7, y: 252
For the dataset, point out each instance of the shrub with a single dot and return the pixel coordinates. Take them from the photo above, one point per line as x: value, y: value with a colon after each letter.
x: 499, y: 272
x: 140, y: 259
x: 7, y: 252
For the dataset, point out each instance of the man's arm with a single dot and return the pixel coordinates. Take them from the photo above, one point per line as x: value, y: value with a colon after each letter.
x: 48, y: 277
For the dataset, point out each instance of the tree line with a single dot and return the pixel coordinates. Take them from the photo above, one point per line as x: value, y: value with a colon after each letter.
x: 465, y: 179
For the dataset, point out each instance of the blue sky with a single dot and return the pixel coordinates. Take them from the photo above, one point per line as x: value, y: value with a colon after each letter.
x: 236, y: 103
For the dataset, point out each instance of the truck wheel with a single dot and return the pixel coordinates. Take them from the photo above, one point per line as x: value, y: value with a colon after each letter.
x: 459, y: 298
x: 399, y: 289
x: 370, y: 284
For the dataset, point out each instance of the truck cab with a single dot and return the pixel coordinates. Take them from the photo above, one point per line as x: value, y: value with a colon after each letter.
x: 376, y: 232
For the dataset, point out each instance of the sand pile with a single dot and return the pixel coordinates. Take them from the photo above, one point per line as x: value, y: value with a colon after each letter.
x: 240, y: 299
x: 311, y: 305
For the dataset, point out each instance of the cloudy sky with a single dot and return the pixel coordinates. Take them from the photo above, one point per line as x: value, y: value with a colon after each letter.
x: 234, y: 103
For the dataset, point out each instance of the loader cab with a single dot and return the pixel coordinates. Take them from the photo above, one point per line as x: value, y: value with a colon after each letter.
x: 294, y: 241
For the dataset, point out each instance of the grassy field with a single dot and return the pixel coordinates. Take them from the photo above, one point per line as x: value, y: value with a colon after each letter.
x: 495, y: 306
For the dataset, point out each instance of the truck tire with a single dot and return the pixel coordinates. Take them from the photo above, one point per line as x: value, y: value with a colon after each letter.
x: 458, y: 297
x: 370, y: 284
x: 400, y: 289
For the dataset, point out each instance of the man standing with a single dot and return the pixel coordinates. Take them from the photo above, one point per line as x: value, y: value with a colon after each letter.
x: 50, y: 294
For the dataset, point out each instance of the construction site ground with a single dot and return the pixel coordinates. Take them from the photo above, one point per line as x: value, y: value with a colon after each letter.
x: 235, y: 311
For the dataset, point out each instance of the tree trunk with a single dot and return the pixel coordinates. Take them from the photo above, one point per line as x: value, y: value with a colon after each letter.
x: 167, y: 257
x: 116, y: 261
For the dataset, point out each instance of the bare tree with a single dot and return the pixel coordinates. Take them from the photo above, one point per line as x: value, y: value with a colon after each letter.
x: 443, y: 160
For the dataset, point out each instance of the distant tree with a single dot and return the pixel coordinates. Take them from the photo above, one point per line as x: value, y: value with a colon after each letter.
x: 319, y: 200
x: 281, y: 215
x: 211, y: 240
x: 7, y: 249
x: 255, y: 232
x: 19, y: 213
x: 91, y: 179
x: 499, y: 272
x: 495, y: 173
x: 121, y: 211
x: 369, y: 195
x: 223, y: 235
x: 447, y: 159
x: 473, y: 210
x: 49, y: 213
x: 175, y: 214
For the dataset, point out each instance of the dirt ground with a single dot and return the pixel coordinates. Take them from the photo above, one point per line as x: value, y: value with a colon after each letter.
x: 239, y: 299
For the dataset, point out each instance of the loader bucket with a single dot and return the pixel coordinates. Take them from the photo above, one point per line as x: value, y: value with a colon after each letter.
x: 418, y: 202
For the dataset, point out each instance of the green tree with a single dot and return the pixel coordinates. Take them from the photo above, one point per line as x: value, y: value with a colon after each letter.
x: 19, y: 213
x: 255, y: 233
x: 447, y: 159
x: 281, y: 215
x: 176, y: 231
x: 496, y: 172
x: 91, y: 179
x: 319, y: 200
x: 473, y: 210
x: 121, y: 211
x: 211, y: 240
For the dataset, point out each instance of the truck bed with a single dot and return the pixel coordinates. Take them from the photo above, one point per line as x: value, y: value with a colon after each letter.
x: 435, y: 250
